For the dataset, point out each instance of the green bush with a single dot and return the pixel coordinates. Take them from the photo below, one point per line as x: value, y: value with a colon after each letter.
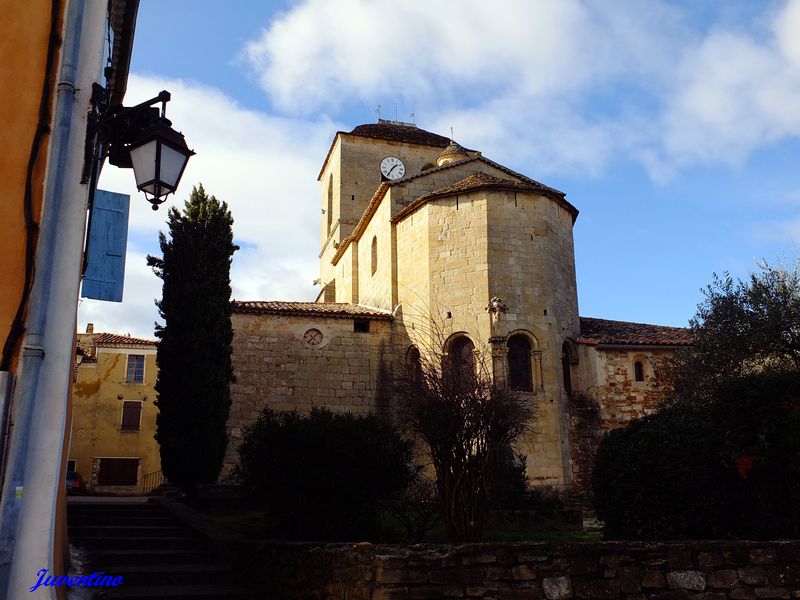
x: 509, y: 484
x: 729, y: 468
x: 324, y: 476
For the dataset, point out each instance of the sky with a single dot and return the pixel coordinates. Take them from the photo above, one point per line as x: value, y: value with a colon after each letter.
x: 674, y: 127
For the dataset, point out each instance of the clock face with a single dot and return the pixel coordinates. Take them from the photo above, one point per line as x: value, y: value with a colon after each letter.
x: 392, y: 167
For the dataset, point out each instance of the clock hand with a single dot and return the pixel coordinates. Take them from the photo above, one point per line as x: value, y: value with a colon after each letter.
x: 394, y: 166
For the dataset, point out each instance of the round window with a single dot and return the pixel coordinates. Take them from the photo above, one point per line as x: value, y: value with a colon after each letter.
x: 313, y: 337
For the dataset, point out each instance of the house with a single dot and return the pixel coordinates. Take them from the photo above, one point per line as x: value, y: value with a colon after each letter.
x: 112, y: 444
x: 428, y: 247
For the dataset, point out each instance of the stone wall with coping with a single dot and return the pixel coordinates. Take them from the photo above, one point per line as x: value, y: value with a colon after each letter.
x: 275, y: 367
x: 703, y: 570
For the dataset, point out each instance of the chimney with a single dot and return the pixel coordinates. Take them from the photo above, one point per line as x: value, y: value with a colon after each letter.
x: 90, y: 328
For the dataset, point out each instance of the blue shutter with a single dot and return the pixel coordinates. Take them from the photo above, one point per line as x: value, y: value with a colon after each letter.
x: 108, y: 238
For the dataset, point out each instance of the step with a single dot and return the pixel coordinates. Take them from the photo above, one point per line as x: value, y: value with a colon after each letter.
x: 173, y: 574
x: 135, y: 542
x: 91, y: 519
x: 143, y: 509
x: 168, y: 592
x: 161, y: 556
x: 101, y: 529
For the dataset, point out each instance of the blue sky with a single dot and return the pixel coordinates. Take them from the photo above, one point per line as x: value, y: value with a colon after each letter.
x: 673, y: 127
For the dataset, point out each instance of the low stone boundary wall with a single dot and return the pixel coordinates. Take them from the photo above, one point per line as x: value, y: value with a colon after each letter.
x: 707, y: 570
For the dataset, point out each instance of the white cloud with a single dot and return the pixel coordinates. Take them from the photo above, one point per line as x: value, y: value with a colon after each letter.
x: 733, y: 94
x: 574, y: 83
x: 137, y: 312
x: 264, y: 167
x: 787, y: 30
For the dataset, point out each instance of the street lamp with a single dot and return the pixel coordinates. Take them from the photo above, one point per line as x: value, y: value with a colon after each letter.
x: 139, y: 137
x: 159, y: 156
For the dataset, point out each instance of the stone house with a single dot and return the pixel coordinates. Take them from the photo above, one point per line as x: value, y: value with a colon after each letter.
x: 112, y: 443
x: 425, y: 244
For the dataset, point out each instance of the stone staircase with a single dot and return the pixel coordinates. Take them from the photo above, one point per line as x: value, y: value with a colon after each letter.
x: 158, y: 557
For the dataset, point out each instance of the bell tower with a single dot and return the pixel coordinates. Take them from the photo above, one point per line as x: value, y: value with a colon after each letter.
x: 357, y: 163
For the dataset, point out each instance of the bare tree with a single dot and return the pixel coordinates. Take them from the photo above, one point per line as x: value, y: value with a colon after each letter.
x: 468, y: 420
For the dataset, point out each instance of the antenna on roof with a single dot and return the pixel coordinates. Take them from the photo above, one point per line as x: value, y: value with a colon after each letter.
x: 378, y: 112
x: 412, y: 116
x: 452, y: 138
x: 395, y: 112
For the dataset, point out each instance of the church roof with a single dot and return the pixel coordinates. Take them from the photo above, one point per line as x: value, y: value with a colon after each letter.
x: 336, y: 310
x: 540, y: 187
x: 476, y: 181
x: 409, y: 134
x: 387, y: 130
x: 624, y: 333
x: 114, y: 340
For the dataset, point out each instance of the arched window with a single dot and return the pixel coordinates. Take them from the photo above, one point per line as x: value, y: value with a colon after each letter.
x: 520, y: 372
x: 374, y: 256
x: 414, y: 366
x: 638, y: 371
x: 566, y: 369
x: 330, y: 203
x: 461, y: 357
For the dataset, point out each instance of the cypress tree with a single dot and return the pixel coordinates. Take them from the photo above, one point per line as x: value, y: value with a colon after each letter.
x: 194, y: 350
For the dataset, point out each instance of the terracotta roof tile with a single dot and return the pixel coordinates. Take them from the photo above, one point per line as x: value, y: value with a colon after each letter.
x: 605, y: 331
x: 337, y: 310
x: 480, y: 180
x: 540, y: 187
x: 409, y: 134
x: 115, y: 340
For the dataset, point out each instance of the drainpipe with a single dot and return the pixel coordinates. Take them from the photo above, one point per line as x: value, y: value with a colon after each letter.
x: 34, y: 475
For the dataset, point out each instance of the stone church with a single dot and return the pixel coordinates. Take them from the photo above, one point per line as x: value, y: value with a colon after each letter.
x: 425, y: 244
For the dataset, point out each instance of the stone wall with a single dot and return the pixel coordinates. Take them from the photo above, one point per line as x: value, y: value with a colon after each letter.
x: 707, y: 570
x: 276, y: 368
x: 609, y: 397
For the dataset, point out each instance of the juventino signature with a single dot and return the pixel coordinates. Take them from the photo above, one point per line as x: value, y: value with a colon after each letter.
x: 93, y: 580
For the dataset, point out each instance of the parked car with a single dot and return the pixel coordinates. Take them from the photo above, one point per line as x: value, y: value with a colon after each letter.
x: 75, y: 483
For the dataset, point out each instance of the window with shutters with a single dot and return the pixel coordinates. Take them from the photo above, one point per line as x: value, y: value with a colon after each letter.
x: 131, y: 415
x: 135, y: 371
x: 104, y: 275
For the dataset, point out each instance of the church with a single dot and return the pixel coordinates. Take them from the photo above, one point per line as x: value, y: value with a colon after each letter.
x: 427, y: 246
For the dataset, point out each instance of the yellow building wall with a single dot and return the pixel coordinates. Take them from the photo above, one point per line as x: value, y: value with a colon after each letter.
x: 98, y: 395
x: 354, y: 165
x: 533, y: 272
x: 444, y: 253
x: 24, y: 35
x: 375, y: 289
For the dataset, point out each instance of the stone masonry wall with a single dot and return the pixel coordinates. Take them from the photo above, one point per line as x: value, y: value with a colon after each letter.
x: 608, y: 398
x: 275, y: 368
x: 704, y: 570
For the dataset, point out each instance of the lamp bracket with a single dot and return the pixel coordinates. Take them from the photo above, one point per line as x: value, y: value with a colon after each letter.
x: 111, y: 129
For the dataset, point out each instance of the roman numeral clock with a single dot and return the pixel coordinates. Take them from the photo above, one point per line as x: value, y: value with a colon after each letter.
x: 392, y: 168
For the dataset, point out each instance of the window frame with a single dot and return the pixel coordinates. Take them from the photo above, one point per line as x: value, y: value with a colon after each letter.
x: 130, y: 404
x: 638, y: 371
x: 525, y: 357
x: 374, y: 254
x: 133, y: 380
